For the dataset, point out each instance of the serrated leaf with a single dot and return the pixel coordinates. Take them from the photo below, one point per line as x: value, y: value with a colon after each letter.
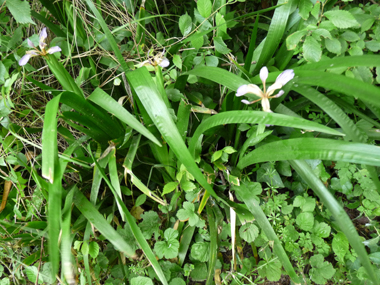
x: 201, y: 251
x: 221, y: 24
x: 85, y: 248
x: 350, y: 36
x: 177, y: 61
x: 293, y: 40
x: 333, y: 46
x: 188, y: 213
x: 229, y: 149
x: 169, y: 187
x: 340, y: 246
x: 204, y: 7
x: 32, y: 272
x: 341, y: 19
x: 140, y: 280
x: 249, y: 232
x: 312, y: 50
x: 93, y: 249
x: 197, y: 41
x: 305, y: 221
x: 322, y: 230
x: 315, y: 10
x: 220, y: 46
x: 212, y: 61
x: 188, y: 186
x: 270, y: 270
x: 322, y: 33
x: 216, y: 155
x: 321, y: 270
x: 150, y: 224
x: 185, y: 24
x: 169, y: 247
x: 20, y: 11
x: 373, y: 46
x: 305, y: 7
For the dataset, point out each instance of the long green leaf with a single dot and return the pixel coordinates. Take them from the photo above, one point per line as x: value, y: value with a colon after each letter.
x: 276, y: 30
x: 102, y: 99
x: 143, y: 84
x: 132, y: 223
x: 341, y: 84
x: 254, y: 207
x: 336, y: 113
x: 219, y: 75
x: 49, y: 139
x: 313, y: 148
x: 213, y: 245
x: 346, y: 61
x: 109, y: 35
x: 97, y: 116
x: 344, y: 222
x: 99, y: 222
x: 350, y: 129
x: 67, y: 257
x: 256, y: 117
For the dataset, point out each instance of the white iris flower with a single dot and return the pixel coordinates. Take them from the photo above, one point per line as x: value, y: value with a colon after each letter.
x: 159, y: 59
x: 36, y: 52
x: 266, y: 94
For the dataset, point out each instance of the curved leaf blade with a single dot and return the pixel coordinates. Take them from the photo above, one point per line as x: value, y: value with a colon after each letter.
x: 256, y: 117
x: 143, y: 84
x: 102, y: 99
x: 347, y: 61
x: 313, y: 148
x: 341, y: 84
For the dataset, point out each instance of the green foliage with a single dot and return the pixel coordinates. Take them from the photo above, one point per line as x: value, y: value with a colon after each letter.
x: 165, y: 176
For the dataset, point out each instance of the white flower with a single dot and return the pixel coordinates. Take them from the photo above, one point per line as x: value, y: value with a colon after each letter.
x: 42, y: 51
x: 159, y: 59
x: 266, y: 94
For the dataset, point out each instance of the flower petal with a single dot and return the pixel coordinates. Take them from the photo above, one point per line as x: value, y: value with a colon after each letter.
x: 24, y: 60
x: 43, y: 36
x: 250, y: 88
x: 164, y: 62
x: 30, y: 44
x: 285, y: 77
x: 279, y: 94
x: 53, y: 50
x: 265, y: 104
x: 264, y: 74
x: 246, y: 102
x: 281, y: 80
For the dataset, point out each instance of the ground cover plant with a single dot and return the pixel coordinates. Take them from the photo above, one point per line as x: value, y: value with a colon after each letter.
x: 189, y: 142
